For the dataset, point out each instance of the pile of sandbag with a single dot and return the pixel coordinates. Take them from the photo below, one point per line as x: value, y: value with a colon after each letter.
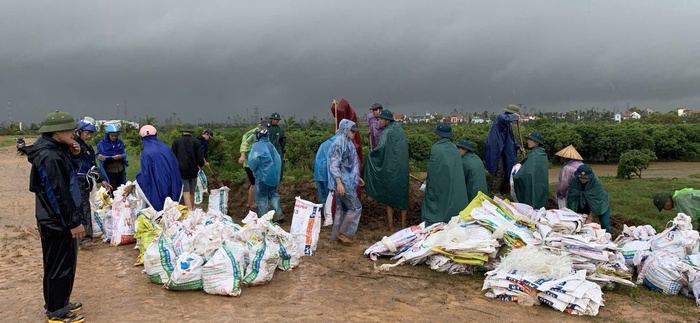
x: 208, y: 251
x: 532, y: 275
x: 669, y: 265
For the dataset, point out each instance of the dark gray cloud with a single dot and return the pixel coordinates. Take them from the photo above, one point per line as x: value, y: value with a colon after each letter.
x: 208, y: 61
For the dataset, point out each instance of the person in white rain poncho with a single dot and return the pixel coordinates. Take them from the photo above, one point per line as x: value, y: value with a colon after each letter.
x: 344, y: 172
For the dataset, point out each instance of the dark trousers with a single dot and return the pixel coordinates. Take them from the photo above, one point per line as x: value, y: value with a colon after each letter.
x: 84, y: 209
x: 60, y: 252
x: 500, y: 182
x: 116, y: 179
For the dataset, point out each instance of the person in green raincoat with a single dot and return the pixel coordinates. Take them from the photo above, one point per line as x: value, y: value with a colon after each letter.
x: 474, y: 172
x: 386, y: 169
x: 587, y: 196
x: 686, y: 201
x: 531, y: 182
x: 445, y: 193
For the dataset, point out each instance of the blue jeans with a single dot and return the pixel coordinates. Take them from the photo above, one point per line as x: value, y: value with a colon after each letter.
x: 267, y: 195
x: 348, y: 210
x: 322, y: 188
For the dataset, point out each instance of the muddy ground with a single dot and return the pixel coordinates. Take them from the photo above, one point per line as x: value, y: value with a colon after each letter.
x: 337, y: 284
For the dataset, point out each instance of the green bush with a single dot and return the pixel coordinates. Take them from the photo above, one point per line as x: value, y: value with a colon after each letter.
x: 633, y: 162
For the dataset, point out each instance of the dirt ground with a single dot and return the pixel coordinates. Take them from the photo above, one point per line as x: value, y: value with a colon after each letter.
x: 337, y: 284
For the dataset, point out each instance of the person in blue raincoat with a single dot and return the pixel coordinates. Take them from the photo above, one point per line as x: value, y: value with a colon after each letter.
x: 159, y: 177
x: 266, y: 164
x: 344, y: 172
x: 112, y: 156
x: 321, y: 169
x: 500, y: 150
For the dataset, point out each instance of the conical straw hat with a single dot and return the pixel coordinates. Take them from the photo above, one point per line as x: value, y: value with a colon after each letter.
x: 570, y: 153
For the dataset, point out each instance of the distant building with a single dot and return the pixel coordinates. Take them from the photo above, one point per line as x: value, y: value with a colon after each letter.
x: 456, y: 119
x: 684, y: 112
x: 427, y: 118
x: 631, y: 115
x: 618, y: 117
x: 478, y: 120
x: 400, y: 117
x: 526, y: 118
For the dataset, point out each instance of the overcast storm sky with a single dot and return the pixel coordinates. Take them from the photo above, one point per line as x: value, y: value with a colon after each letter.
x: 210, y: 60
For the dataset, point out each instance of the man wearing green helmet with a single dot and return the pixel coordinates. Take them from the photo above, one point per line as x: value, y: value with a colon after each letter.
x: 53, y: 181
x: 685, y: 200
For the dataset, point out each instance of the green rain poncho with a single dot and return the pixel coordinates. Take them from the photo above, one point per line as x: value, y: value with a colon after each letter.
x: 531, y: 182
x: 386, y: 168
x: 590, y: 196
x: 474, y: 175
x: 445, y: 193
x: 687, y: 201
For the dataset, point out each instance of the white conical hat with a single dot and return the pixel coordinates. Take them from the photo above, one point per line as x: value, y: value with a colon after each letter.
x: 570, y: 153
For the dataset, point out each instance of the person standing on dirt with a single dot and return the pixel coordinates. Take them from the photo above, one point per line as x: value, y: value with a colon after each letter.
x: 344, y: 180
x: 375, y: 129
x: 531, y: 182
x: 187, y: 150
x: 159, y: 177
x: 53, y: 180
x: 587, y: 196
x: 445, y: 194
x: 321, y: 170
x: 278, y: 139
x: 573, y: 161
x: 204, y: 138
x: 112, y: 156
x: 500, y: 150
x: 386, y: 169
x: 342, y: 110
x: 86, y: 174
x: 474, y: 172
x: 686, y: 201
x: 246, y: 143
x: 266, y: 164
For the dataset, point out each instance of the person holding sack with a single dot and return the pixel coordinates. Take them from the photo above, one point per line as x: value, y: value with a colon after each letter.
x: 85, y: 174
x: 159, y: 177
x: 587, y: 196
x: 54, y: 184
x: 531, y: 182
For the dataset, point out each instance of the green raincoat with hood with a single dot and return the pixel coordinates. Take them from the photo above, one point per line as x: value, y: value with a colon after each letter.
x: 386, y: 168
x: 531, y: 182
x: 590, y: 196
x: 445, y: 193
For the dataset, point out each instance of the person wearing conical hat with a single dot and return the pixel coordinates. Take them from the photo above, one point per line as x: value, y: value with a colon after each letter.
x: 573, y: 161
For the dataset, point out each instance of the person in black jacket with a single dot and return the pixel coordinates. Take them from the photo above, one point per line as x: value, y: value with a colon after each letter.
x: 87, y: 172
x: 189, y: 158
x: 53, y: 181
